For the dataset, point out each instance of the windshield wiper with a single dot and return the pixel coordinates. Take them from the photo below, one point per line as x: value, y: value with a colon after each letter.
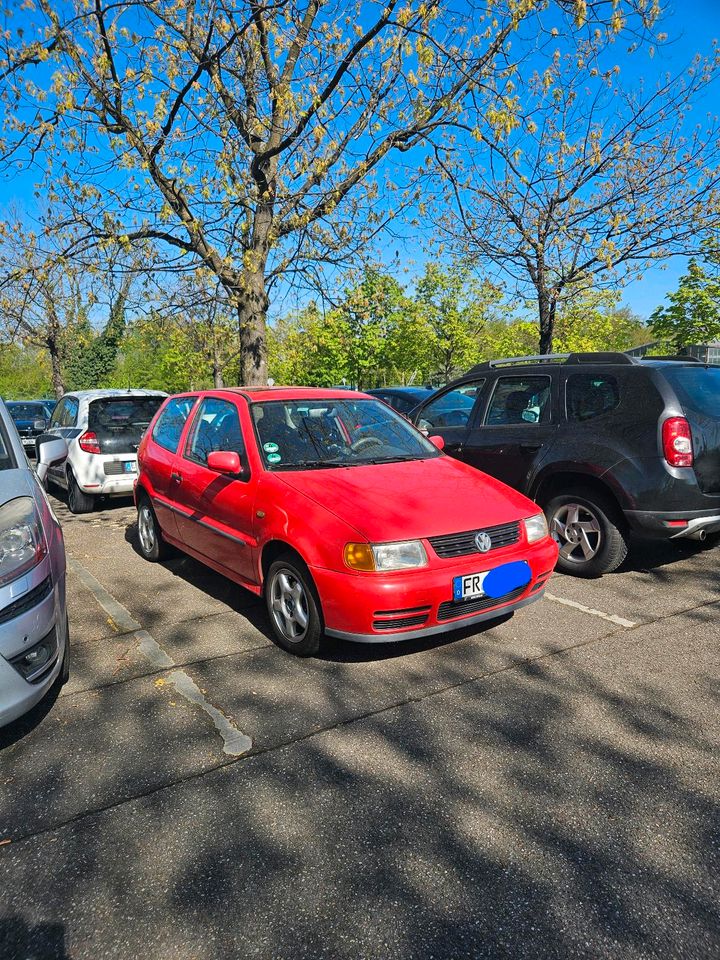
x: 311, y: 464
x: 404, y: 459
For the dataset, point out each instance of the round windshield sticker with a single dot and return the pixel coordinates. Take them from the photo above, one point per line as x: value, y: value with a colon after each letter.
x: 274, y: 458
x: 271, y: 448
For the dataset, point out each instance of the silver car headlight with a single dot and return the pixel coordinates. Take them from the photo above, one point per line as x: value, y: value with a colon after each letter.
x: 536, y: 527
x: 22, y: 543
x: 399, y: 556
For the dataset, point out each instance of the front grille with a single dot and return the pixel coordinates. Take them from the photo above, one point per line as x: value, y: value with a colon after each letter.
x: 27, y: 602
x: 461, y: 608
x: 461, y: 544
x: 397, y: 619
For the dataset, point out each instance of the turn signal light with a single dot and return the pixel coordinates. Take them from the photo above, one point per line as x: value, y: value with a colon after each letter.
x: 677, y: 442
x: 89, y: 442
x: 359, y: 556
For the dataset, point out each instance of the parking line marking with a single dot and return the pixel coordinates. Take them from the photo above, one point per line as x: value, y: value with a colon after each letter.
x: 610, y: 617
x: 235, y: 742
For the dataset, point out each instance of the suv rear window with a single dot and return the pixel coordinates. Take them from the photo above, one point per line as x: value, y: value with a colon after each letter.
x: 119, y: 422
x: 697, y: 388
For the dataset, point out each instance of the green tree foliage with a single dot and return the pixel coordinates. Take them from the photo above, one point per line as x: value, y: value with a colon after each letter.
x: 24, y: 373
x: 693, y: 313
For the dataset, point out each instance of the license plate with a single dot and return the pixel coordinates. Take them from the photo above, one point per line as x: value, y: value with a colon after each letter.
x: 470, y: 585
x: 129, y: 466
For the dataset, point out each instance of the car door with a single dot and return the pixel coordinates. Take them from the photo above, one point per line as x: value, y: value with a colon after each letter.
x: 158, y: 455
x: 507, y: 439
x: 448, y: 414
x: 216, y: 517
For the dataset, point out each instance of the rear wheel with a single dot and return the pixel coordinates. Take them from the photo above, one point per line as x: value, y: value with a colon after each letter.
x: 293, y: 606
x: 152, y: 545
x: 78, y: 500
x: 589, y: 532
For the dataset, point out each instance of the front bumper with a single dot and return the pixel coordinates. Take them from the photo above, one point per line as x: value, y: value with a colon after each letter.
x: 385, y: 608
x: 22, y: 625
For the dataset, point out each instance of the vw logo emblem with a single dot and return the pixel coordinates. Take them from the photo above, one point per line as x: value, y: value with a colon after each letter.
x: 483, y: 541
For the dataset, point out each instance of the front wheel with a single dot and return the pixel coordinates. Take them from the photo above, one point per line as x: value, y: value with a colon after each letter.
x: 78, y: 500
x: 587, y: 529
x: 293, y: 607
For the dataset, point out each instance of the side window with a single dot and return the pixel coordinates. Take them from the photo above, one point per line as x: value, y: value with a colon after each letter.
x: 452, y: 408
x: 169, y: 426
x: 588, y: 396
x: 519, y: 400
x: 58, y: 412
x: 216, y: 427
x: 71, y: 412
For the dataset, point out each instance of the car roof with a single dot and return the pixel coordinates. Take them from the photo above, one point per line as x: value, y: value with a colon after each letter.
x: 113, y: 392
x: 259, y: 394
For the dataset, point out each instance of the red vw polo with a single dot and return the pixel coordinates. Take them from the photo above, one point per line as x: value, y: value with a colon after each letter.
x: 339, y: 512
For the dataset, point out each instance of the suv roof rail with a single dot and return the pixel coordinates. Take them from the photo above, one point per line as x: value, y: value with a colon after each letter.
x: 597, y: 357
x: 682, y: 357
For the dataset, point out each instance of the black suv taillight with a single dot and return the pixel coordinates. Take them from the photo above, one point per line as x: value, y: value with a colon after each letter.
x: 677, y: 442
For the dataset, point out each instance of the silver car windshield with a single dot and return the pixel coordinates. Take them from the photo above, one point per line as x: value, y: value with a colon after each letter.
x: 307, y: 434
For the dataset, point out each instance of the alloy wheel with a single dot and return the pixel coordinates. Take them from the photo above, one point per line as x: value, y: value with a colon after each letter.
x: 289, y: 606
x: 146, y: 529
x: 577, y: 531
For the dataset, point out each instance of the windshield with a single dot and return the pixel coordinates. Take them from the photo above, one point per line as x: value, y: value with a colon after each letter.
x: 303, y: 434
x: 7, y: 461
x: 698, y: 388
x: 27, y: 411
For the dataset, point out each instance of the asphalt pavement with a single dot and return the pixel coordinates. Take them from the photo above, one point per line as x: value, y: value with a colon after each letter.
x: 544, y: 787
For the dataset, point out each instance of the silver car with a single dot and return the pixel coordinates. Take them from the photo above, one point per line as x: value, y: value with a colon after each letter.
x: 33, y: 613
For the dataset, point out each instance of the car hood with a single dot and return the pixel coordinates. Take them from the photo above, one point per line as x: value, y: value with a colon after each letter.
x: 407, y: 501
x: 16, y: 483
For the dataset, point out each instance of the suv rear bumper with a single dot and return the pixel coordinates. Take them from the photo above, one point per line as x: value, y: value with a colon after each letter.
x: 649, y: 523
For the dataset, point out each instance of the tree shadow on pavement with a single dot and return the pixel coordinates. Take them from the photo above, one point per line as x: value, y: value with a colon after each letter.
x: 20, y: 940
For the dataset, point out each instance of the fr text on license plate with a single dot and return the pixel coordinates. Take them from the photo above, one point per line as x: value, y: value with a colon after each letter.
x: 470, y: 585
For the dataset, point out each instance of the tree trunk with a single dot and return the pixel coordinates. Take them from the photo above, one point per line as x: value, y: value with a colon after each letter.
x: 57, y: 377
x: 252, y: 307
x: 216, y: 366
x: 546, y: 315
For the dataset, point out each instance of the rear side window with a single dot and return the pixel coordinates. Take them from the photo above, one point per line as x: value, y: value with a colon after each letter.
x: 519, y: 400
x: 120, y: 422
x: 696, y: 389
x: 588, y: 396
x: 216, y: 427
x: 171, y: 422
x: 65, y: 413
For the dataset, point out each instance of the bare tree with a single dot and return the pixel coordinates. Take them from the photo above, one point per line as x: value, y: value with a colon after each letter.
x: 249, y: 136
x: 594, y: 180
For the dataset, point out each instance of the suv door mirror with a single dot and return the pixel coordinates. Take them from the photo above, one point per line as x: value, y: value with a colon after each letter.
x: 50, y: 451
x: 224, y: 461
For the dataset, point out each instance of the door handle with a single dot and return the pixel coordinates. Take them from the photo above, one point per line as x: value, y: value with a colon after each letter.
x: 177, y: 477
x: 529, y: 447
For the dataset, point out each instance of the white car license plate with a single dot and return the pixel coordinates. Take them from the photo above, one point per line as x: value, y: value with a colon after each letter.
x: 470, y: 585
x: 129, y: 466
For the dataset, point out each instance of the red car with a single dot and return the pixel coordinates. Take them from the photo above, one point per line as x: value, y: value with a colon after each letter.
x: 335, y: 508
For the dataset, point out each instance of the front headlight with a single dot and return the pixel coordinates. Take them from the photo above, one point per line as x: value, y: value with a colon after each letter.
x: 22, y: 544
x: 385, y: 556
x: 536, y: 527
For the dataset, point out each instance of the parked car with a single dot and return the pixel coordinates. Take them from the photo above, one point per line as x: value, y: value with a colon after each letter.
x: 103, y: 429
x: 405, y: 400
x: 33, y: 615
x: 608, y: 444
x: 336, y: 509
x: 402, y: 399
x: 30, y: 418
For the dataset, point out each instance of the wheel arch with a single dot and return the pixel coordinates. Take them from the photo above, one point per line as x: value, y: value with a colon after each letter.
x: 271, y: 551
x: 556, y: 483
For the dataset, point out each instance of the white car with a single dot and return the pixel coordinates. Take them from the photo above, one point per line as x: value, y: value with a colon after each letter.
x: 33, y: 614
x: 103, y: 429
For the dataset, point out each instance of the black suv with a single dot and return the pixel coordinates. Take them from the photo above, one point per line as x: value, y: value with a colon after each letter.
x: 605, y: 442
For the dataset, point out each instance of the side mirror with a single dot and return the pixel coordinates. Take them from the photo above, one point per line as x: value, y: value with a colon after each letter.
x: 424, y: 426
x: 438, y: 441
x: 224, y: 461
x: 50, y: 451
x: 40, y: 426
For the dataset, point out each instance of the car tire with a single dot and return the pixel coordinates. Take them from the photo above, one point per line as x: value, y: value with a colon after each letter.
x: 65, y: 669
x: 293, y: 606
x: 588, y: 528
x: 78, y: 501
x: 150, y: 540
